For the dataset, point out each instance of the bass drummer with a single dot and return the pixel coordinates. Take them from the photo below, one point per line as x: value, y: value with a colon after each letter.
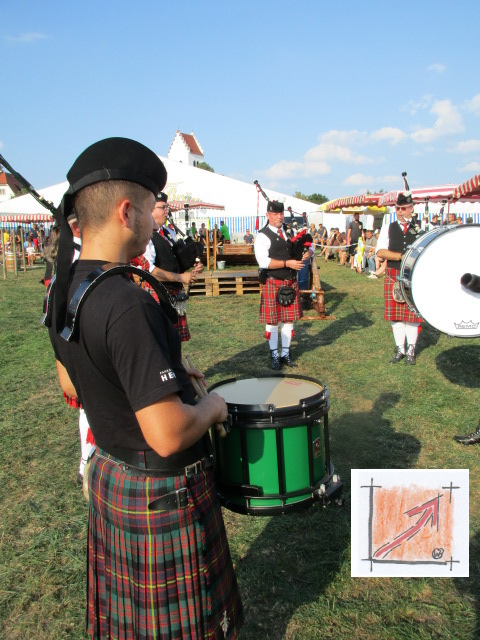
x: 392, y: 244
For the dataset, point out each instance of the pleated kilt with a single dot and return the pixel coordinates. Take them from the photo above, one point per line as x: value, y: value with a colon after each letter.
x: 157, y: 574
x: 271, y: 312
x: 393, y: 310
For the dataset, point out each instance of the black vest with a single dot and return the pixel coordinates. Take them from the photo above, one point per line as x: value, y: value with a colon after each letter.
x: 164, y: 256
x: 398, y: 241
x: 279, y: 250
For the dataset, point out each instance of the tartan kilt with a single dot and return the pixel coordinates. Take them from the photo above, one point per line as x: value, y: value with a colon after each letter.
x: 182, y: 329
x: 271, y: 312
x: 393, y: 310
x: 157, y: 574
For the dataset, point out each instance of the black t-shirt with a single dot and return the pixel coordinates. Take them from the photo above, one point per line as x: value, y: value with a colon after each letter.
x: 355, y: 231
x: 126, y: 356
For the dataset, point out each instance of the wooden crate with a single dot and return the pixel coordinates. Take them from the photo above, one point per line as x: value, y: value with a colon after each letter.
x: 216, y: 283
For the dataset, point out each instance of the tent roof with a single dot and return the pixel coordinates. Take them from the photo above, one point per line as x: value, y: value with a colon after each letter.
x: 364, y: 200
x: 469, y: 188
x: 435, y: 194
x: 27, y: 209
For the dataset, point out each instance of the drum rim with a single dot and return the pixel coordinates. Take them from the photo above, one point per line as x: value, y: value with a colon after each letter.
x: 268, y: 410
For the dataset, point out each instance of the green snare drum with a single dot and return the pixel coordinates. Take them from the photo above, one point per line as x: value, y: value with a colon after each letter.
x: 276, y: 457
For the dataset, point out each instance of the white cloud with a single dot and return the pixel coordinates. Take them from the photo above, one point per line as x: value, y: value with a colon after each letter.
x: 412, y: 107
x: 473, y: 105
x: 283, y: 170
x: 336, y: 137
x: 358, y: 179
x: 448, y: 122
x: 328, y: 152
x: 27, y: 37
x: 471, y: 166
x: 466, y: 146
x: 389, y: 134
x: 437, y: 68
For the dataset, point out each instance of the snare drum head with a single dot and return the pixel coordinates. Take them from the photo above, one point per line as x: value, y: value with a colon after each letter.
x: 281, y: 392
x: 436, y: 290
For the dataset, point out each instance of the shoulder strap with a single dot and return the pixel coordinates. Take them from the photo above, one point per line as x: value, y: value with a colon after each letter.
x: 91, y: 282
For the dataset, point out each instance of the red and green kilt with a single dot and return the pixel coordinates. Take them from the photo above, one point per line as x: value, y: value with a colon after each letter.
x: 182, y: 329
x: 157, y: 574
x: 393, y: 310
x: 271, y: 312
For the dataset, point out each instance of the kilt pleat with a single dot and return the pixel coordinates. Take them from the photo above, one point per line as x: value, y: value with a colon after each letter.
x: 394, y: 311
x: 157, y: 574
x: 271, y: 312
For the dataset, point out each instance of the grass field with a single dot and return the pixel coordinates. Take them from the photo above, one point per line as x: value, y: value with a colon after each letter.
x: 294, y: 571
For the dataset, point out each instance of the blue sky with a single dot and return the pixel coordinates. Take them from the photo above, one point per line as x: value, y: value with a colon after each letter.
x: 313, y: 96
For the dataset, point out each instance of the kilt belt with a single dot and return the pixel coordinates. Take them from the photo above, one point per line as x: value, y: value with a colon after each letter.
x: 156, y: 467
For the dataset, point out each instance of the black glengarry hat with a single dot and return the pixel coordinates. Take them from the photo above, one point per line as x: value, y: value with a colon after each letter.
x: 161, y: 197
x: 117, y: 159
x: 404, y: 199
x: 274, y: 206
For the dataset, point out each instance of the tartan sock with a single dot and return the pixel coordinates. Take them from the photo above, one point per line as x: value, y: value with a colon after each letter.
x: 272, y: 331
x: 398, y: 329
x: 287, y: 331
x: 411, y: 332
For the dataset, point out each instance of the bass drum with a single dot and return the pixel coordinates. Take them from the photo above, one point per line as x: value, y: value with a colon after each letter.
x: 276, y: 457
x: 430, y: 279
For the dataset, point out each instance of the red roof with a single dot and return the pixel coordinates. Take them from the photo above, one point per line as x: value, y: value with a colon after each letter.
x: 13, y: 183
x: 192, y: 143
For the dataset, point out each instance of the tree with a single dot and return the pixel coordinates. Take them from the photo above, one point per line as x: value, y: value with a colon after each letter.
x: 317, y: 198
x: 205, y: 166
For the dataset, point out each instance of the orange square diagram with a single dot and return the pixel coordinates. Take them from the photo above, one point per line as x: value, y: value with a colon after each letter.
x: 410, y: 522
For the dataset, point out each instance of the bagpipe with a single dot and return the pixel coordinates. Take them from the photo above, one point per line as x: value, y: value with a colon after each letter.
x: 40, y: 199
x: 301, y: 240
x: 186, y: 250
x: 414, y: 224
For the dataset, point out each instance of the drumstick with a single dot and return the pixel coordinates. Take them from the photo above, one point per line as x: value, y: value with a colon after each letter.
x: 202, y: 393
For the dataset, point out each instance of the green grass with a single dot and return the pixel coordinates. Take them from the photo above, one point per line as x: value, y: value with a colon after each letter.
x: 294, y: 571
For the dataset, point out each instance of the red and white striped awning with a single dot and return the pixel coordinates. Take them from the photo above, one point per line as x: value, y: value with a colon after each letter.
x: 31, y: 217
x: 365, y: 200
x: 468, y: 189
x: 435, y: 194
x: 178, y: 205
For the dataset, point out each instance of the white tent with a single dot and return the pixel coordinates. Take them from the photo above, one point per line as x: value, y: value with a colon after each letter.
x: 241, y: 201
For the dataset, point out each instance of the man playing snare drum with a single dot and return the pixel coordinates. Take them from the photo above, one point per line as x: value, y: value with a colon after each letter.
x: 392, y: 244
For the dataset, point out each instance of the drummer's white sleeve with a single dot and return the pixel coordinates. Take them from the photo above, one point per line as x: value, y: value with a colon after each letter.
x: 150, y: 255
x: 382, y: 242
x: 262, y: 248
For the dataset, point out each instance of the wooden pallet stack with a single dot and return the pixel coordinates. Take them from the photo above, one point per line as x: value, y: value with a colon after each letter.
x: 216, y: 283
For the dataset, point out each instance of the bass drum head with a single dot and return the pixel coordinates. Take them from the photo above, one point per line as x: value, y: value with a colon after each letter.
x: 436, y: 290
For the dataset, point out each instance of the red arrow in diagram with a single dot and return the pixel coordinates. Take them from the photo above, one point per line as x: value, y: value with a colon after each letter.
x: 430, y: 510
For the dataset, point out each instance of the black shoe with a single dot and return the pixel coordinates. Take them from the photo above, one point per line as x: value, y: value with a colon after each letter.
x: 288, y: 361
x: 411, y: 355
x: 470, y: 438
x: 275, y: 363
x: 399, y: 355
x: 79, y: 479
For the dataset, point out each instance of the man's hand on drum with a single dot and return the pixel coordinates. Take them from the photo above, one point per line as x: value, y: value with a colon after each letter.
x: 192, y: 372
x: 218, y: 406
